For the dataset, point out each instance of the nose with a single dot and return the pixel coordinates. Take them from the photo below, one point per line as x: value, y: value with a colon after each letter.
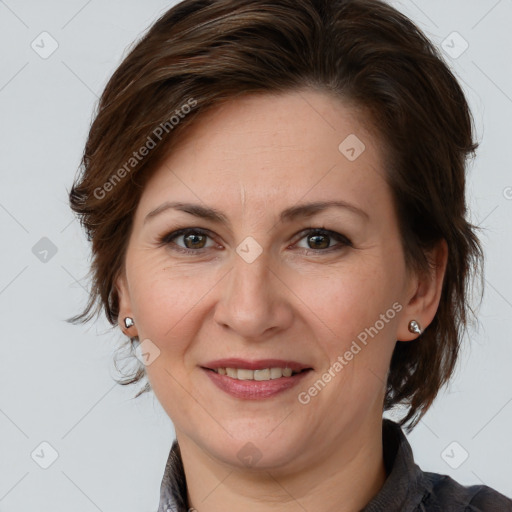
x: 254, y: 301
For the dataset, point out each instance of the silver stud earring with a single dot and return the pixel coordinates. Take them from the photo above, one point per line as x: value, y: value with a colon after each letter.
x: 414, y: 327
x: 128, y: 322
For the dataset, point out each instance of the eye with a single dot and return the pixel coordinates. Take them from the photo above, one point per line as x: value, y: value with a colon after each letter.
x: 318, y: 240
x: 194, y: 240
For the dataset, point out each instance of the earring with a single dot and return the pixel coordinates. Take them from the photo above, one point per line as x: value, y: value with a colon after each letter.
x: 414, y: 327
x: 128, y: 322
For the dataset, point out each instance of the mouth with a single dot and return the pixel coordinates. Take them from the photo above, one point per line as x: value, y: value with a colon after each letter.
x: 255, y: 379
x: 259, y: 375
x: 260, y: 370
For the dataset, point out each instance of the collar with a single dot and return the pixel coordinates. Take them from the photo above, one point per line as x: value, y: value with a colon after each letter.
x: 404, y: 489
x: 406, y: 484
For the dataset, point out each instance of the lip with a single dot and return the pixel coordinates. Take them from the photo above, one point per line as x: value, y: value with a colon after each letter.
x: 253, y: 389
x: 259, y: 364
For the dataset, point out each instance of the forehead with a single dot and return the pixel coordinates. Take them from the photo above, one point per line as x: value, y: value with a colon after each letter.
x: 273, y: 149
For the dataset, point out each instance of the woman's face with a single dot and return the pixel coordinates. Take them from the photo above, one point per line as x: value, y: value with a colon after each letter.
x: 258, y: 283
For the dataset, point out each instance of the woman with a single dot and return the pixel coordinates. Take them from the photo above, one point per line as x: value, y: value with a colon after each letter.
x: 275, y: 196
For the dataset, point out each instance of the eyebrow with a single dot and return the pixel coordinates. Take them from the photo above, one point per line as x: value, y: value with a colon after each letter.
x: 288, y: 215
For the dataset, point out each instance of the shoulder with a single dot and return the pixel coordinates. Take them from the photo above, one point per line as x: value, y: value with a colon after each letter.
x: 409, y: 488
x: 445, y: 493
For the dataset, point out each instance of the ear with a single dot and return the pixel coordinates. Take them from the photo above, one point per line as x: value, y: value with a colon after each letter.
x: 125, y: 308
x: 424, y: 293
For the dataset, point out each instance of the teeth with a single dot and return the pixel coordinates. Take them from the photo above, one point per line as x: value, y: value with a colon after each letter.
x: 264, y: 374
x: 287, y: 372
x: 232, y: 372
x: 275, y: 373
x: 245, y: 374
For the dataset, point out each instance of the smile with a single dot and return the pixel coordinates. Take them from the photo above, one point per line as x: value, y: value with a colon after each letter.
x: 260, y: 375
x: 255, y: 379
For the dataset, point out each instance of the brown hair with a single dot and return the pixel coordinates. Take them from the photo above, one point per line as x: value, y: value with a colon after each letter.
x: 203, y: 52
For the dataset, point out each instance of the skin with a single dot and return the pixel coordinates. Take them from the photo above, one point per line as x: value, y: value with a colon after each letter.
x: 252, y: 158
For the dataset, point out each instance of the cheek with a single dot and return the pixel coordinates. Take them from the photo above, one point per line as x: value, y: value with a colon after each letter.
x: 166, y: 305
x: 356, y: 312
x: 349, y: 300
x: 167, y: 297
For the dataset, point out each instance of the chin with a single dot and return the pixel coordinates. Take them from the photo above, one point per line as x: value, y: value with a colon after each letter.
x: 258, y: 451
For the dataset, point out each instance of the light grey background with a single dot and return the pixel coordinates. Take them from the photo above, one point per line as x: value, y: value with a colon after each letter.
x: 56, y: 379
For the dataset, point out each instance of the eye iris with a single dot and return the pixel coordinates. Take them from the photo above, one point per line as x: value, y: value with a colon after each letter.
x: 193, y: 238
x: 317, y: 241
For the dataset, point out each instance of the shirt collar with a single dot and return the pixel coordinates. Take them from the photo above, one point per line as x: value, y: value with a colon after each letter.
x: 403, y: 490
x: 405, y: 485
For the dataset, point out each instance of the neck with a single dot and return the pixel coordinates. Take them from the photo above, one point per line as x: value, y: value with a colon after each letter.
x: 342, y: 478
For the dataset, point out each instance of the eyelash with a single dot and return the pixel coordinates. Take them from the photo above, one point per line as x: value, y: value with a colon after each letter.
x: 344, y: 241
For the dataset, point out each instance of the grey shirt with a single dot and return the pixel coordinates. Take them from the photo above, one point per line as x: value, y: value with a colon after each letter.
x: 407, y: 488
